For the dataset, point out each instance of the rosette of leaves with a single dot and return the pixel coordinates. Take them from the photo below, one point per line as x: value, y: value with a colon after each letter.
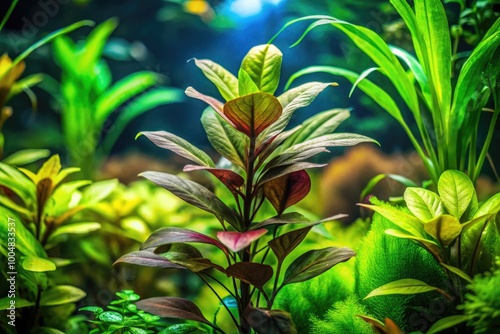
x: 267, y: 163
x: 460, y: 233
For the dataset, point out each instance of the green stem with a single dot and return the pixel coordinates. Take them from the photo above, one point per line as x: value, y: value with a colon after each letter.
x: 222, y: 302
x: 9, y: 12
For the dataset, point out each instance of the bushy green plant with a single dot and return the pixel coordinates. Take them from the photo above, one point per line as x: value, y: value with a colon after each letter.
x: 87, y: 96
x: 445, y: 110
x: 267, y: 163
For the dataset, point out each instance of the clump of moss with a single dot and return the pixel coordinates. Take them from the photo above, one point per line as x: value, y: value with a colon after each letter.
x: 342, y: 318
x: 482, y: 304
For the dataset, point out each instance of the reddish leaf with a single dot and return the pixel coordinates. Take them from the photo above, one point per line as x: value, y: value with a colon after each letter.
x: 269, y: 321
x: 391, y: 327
x: 252, y: 273
x: 276, y: 172
x: 286, y: 243
x: 172, y: 307
x: 148, y: 259
x: 170, y: 235
x: 237, y: 241
x: 287, y: 190
x: 253, y: 113
x: 231, y: 180
x: 294, y: 218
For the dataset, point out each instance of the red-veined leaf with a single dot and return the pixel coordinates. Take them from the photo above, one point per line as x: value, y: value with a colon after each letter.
x: 232, y: 180
x: 287, y: 190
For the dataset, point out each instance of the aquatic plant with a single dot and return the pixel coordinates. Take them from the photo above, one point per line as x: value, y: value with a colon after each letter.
x: 87, y: 97
x: 445, y: 111
x: 267, y: 163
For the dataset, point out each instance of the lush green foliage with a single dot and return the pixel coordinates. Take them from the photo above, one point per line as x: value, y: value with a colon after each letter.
x: 447, y: 115
x: 87, y: 96
x: 267, y: 163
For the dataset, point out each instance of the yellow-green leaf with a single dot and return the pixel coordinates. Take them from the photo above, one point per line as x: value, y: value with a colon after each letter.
x: 444, y: 228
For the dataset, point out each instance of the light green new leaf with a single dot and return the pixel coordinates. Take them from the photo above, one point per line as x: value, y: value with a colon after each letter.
x: 98, y: 191
x: 362, y: 76
x: 456, y: 191
x: 245, y: 83
x: 37, y: 264
x: 27, y: 156
x: 405, y: 286
x: 226, y: 83
x: 26, y: 242
x: 423, y: 203
x: 223, y: 137
x: 447, y: 322
x: 404, y: 220
x: 491, y: 205
x: 444, y: 228
x: 5, y: 303
x: 94, y: 45
x: 263, y: 64
x: 77, y: 228
x: 16, y: 181
x: 457, y: 272
x: 8, y: 203
x: 61, y: 294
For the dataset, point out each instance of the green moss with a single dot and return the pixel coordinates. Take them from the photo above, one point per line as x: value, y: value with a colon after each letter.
x: 382, y: 259
x: 342, y: 319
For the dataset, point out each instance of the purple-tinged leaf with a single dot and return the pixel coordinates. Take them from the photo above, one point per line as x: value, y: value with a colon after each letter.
x: 269, y: 321
x: 194, y: 194
x: 237, y: 241
x: 189, y: 257
x: 270, y: 144
x: 277, y: 172
x: 199, y: 264
x: 148, y: 259
x: 287, y: 190
x: 232, y: 180
x: 315, y: 262
x: 179, y: 146
x: 172, y: 307
x: 283, y: 245
x: 217, y: 105
x: 170, y: 235
x: 255, y: 274
x: 294, y: 218
x: 251, y: 114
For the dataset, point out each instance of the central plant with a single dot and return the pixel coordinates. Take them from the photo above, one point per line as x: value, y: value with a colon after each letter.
x: 266, y: 162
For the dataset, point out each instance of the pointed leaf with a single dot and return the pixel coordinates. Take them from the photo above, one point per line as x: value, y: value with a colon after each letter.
x: 251, y: 114
x: 211, y: 101
x: 245, y: 83
x: 405, y: 221
x: 279, y: 171
x: 76, y: 228
x: 255, y: 274
x: 229, y: 142
x: 98, y: 191
x: 179, y: 146
x: 293, y: 218
x: 457, y: 272
x: 170, y: 235
x: 148, y: 259
x: 37, y: 264
x: 405, y: 286
x: 287, y: 190
x: 263, y: 64
x: 61, y: 294
x: 237, y: 241
x: 16, y: 181
x: 423, y: 203
x: 230, y: 179
x: 444, y: 228
x: 265, y: 321
x: 26, y: 156
x: 172, y: 307
x: 456, y: 191
x: 283, y: 245
x: 491, y: 205
x: 315, y: 262
x: 50, y: 168
x: 427, y: 243
x: 447, y: 322
x: 194, y: 194
x: 226, y: 83
x: 471, y: 243
x: 391, y: 327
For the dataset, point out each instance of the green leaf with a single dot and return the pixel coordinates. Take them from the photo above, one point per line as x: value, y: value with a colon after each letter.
x: 27, y: 156
x: 263, y: 64
x: 315, y: 262
x: 98, y: 191
x: 456, y: 191
x: 491, y: 205
x: 37, y: 264
x: 111, y: 316
x: 471, y: 243
x: 405, y: 286
x: 362, y: 76
x: 6, y: 202
x: 423, y: 203
x: 252, y: 114
x: 76, y: 228
x: 181, y: 329
x: 94, y: 45
x: 223, y: 137
x: 16, y: 181
x: 194, y: 194
x: 444, y: 228
x: 283, y: 245
x: 179, y: 146
x: 94, y: 309
x: 25, y: 242
x: 61, y: 294
x: 5, y: 303
x: 405, y: 221
x: 226, y: 83
x: 447, y: 322
x: 245, y: 83
x: 457, y: 272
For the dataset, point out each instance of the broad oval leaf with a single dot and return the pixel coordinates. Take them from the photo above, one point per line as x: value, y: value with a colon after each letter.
x: 237, y: 241
x: 456, y: 191
x: 263, y: 65
x: 283, y: 245
x: 315, y: 262
x: 170, y: 235
x: 232, y: 180
x: 194, y: 194
x: 255, y: 274
x: 179, y: 146
x: 111, y: 316
x: 423, y: 203
x: 287, y: 190
x: 253, y: 113
x: 148, y: 259
x: 226, y: 83
x: 444, y: 228
x: 405, y: 286
x: 172, y: 307
x: 37, y: 264
x: 245, y: 83
x: 61, y: 294
x: 265, y: 321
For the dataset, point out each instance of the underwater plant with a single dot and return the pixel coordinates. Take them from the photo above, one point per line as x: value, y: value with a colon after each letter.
x: 267, y: 163
x: 446, y: 105
x: 88, y: 97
